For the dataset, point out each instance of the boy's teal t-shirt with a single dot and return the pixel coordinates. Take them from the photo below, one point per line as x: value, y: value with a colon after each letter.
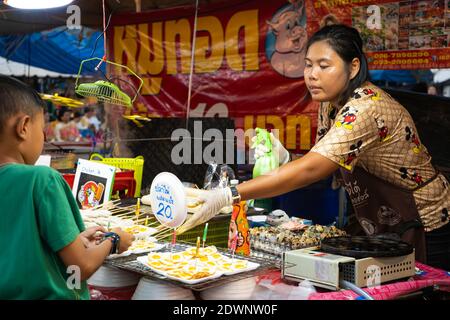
x: 38, y: 217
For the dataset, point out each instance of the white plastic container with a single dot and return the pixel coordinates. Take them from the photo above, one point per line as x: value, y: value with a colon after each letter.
x: 236, y: 290
x: 148, y: 289
x: 110, y: 277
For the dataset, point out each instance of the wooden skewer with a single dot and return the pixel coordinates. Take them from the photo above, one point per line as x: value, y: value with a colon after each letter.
x: 162, y: 228
x: 146, y: 218
x: 139, y: 221
x: 122, y: 215
x: 159, y: 238
x: 133, y: 217
x: 152, y: 222
x: 161, y: 231
x: 115, y: 211
x: 122, y: 207
x: 163, y: 234
x: 125, y: 212
x: 103, y: 205
x: 128, y: 208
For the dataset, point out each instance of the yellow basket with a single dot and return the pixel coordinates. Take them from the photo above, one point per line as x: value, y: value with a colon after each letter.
x: 136, y: 164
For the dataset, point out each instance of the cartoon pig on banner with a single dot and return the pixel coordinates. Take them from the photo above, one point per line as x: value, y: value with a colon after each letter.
x: 291, y: 38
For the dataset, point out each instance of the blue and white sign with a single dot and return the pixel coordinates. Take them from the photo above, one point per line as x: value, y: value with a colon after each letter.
x: 168, y: 200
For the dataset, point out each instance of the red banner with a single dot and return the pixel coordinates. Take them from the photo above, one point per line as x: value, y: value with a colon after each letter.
x: 249, y: 55
x: 248, y: 64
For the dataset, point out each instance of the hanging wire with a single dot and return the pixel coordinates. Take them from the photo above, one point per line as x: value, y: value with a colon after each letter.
x: 104, y: 37
x: 102, y: 34
x: 104, y: 29
x: 192, y: 65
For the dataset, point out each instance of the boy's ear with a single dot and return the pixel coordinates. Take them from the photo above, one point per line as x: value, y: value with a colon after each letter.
x: 23, y: 127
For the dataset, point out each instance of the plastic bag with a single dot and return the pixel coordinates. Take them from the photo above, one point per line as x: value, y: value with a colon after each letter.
x: 267, y: 161
x: 268, y: 290
x: 218, y: 176
x: 277, y: 217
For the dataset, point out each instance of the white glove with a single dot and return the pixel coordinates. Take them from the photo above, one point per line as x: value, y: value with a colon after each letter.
x: 277, y: 148
x: 210, y: 202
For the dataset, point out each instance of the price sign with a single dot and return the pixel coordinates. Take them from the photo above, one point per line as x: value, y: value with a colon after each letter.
x: 168, y: 200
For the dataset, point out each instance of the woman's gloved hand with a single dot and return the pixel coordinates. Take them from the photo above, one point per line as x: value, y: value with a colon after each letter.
x: 277, y: 148
x: 210, y: 203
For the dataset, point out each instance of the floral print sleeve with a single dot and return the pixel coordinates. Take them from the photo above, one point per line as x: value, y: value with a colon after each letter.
x: 354, y: 131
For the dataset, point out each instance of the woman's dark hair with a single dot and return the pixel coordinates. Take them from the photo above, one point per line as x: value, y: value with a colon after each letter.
x: 15, y: 97
x: 347, y: 43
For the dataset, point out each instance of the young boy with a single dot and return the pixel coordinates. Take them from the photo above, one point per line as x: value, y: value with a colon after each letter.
x: 43, y: 242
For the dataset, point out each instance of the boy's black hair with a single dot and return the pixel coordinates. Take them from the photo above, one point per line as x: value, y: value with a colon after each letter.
x: 347, y: 43
x: 15, y: 97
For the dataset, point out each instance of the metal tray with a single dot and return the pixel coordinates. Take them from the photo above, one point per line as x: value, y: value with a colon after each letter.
x: 129, y: 263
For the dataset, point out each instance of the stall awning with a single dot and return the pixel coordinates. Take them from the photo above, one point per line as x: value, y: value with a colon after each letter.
x: 59, y: 50
x: 17, y: 69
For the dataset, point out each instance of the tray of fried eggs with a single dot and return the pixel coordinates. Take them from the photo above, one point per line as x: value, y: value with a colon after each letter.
x: 180, y: 267
x: 192, y: 268
x: 140, y: 246
x: 140, y: 232
x: 163, y: 262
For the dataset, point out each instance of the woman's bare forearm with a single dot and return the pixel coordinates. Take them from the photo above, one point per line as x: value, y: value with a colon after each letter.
x: 296, y: 174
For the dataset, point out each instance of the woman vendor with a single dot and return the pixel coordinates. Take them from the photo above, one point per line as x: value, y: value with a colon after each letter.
x: 372, y: 140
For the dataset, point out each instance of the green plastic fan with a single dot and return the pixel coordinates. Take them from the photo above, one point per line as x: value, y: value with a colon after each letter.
x: 106, y: 91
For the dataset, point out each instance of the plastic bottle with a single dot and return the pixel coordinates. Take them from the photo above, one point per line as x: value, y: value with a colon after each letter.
x: 239, y: 222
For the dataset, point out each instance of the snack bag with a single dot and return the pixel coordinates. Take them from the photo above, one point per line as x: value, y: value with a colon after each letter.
x: 239, y: 225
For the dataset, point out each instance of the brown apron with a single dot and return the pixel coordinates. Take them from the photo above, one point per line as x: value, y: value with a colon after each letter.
x: 385, y: 210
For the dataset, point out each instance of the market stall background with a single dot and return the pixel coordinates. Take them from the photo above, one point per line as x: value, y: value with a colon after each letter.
x: 238, y: 55
x: 236, y: 71
x: 235, y: 77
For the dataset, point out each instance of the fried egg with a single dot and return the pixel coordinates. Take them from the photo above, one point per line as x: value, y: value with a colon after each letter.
x: 191, y: 250
x: 182, y: 264
x: 187, y: 255
x: 202, y: 251
x: 141, y: 244
x: 181, y: 274
x: 200, y: 268
x: 212, y: 264
x: 176, y: 257
x: 209, y: 250
x: 155, y: 256
x: 203, y: 258
x: 216, y: 256
x: 225, y: 267
x: 200, y: 275
x: 156, y: 265
x: 240, y: 265
x: 136, y: 229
